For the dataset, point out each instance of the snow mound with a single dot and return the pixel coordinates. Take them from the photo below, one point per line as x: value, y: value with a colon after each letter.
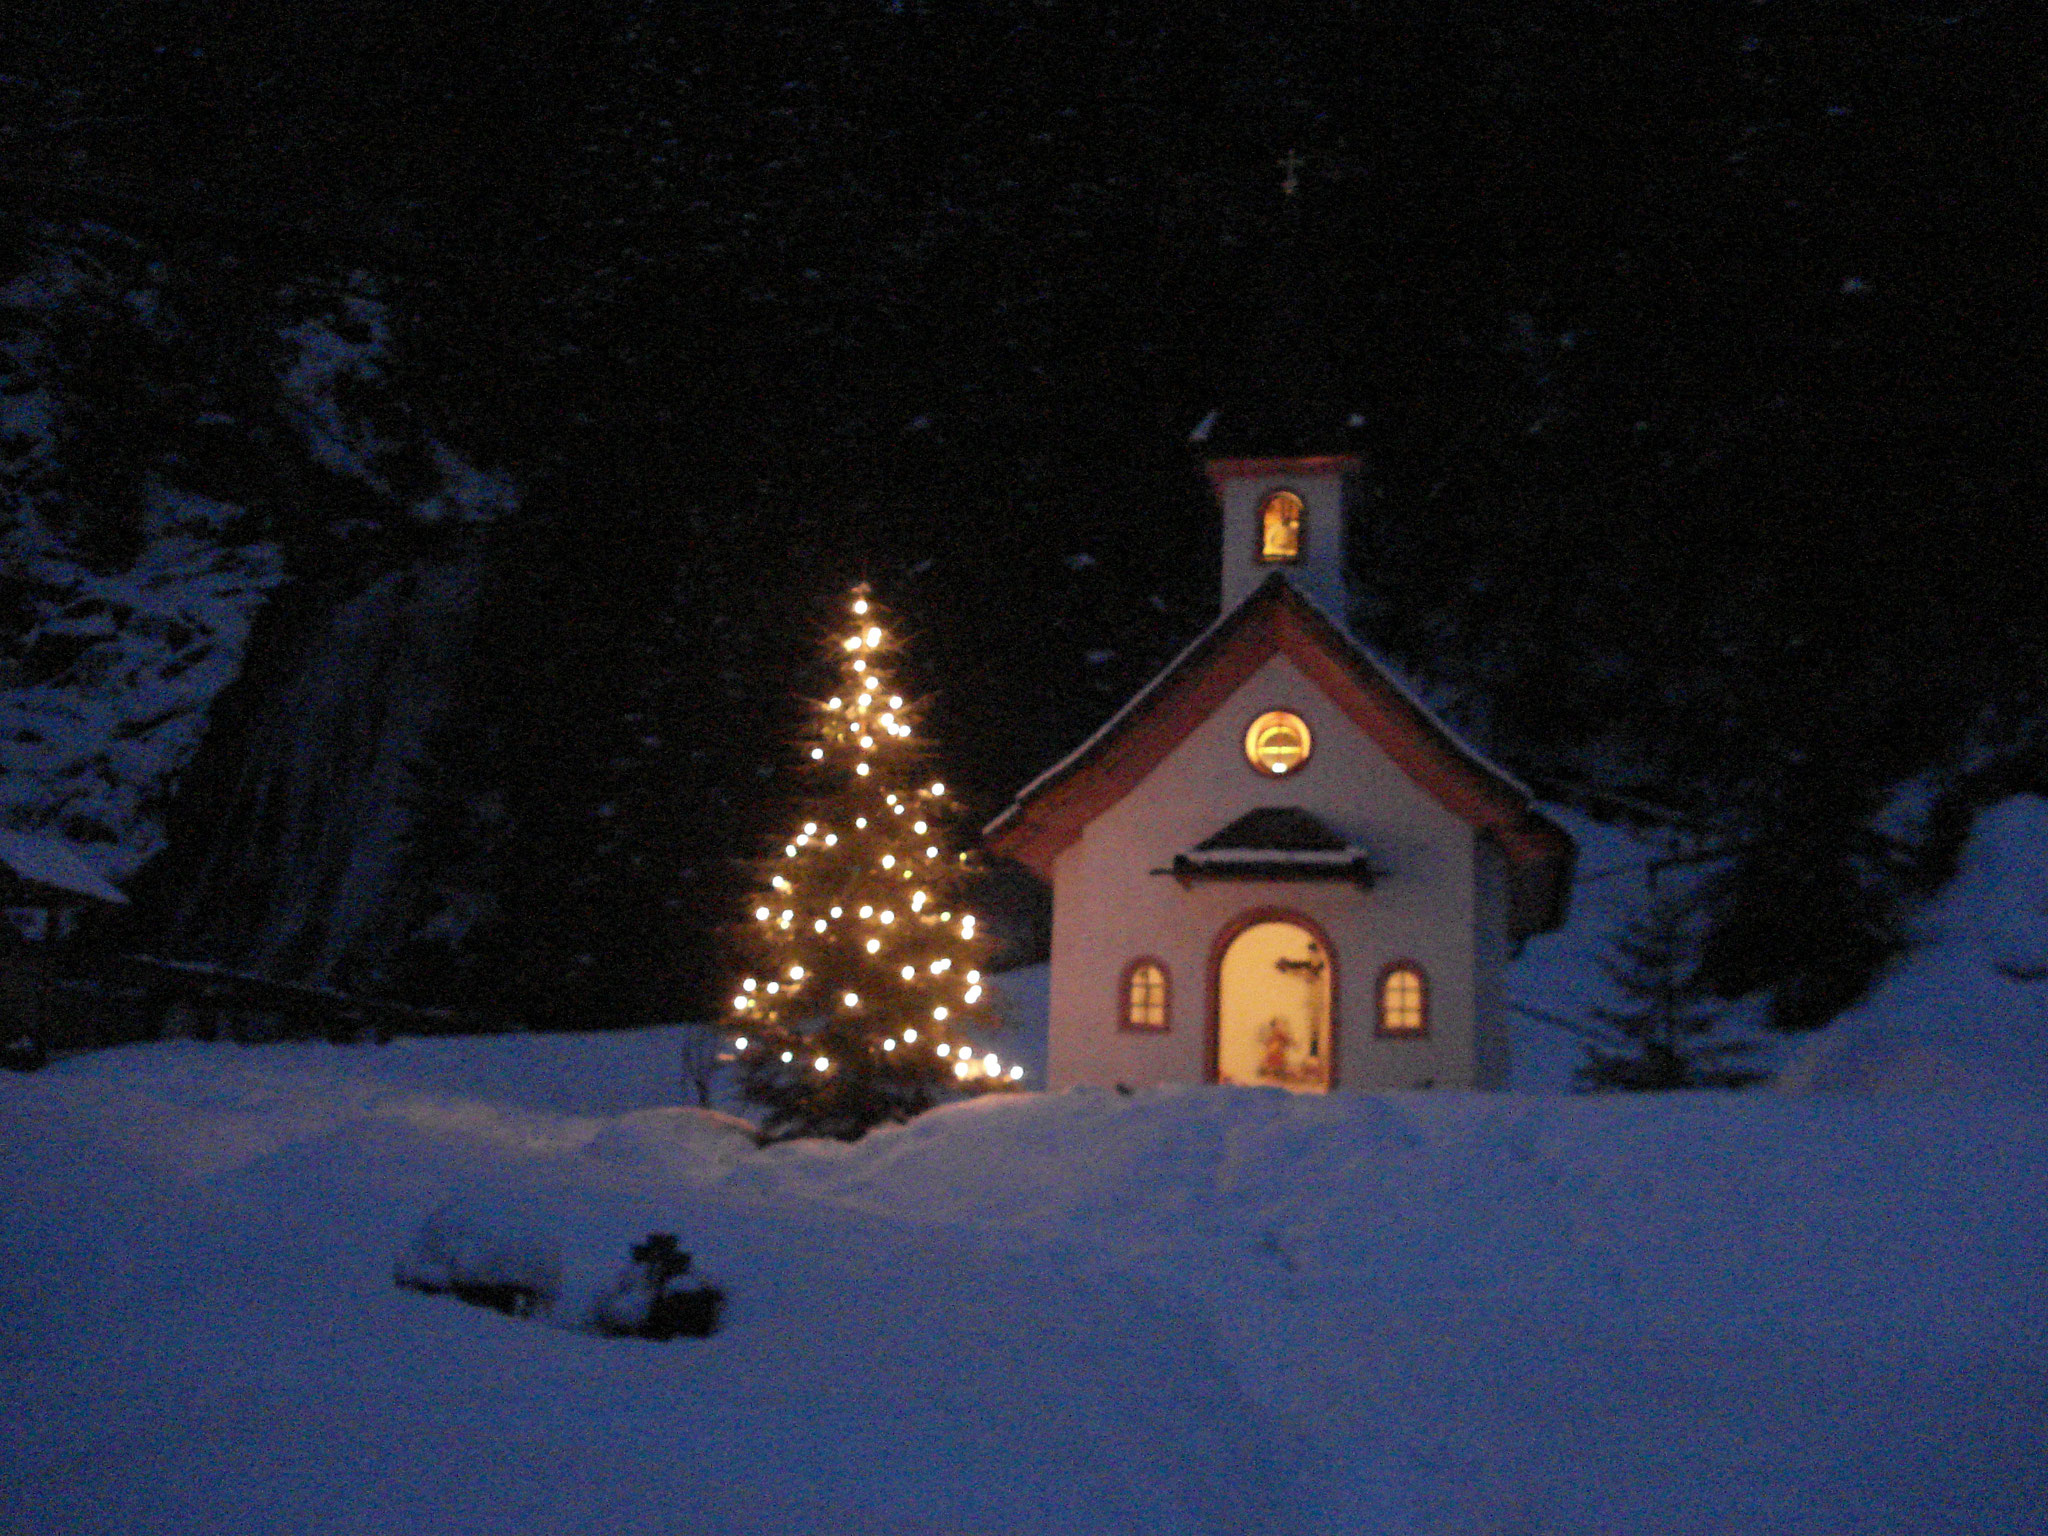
x: 470, y: 1247
x: 1180, y: 1312
x: 1966, y: 1009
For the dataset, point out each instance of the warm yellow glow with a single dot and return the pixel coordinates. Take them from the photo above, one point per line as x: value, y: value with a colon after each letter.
x: 945, y: 1050
x: 974, y: 994
x: 761, y: 913
x: 834, y: 703
x: 967, y: 926
x: 931, y: 853
x: 748, y: 984
x: 874, y: 634
x: 888, y: 721
x: 1280, y: 528
x: 853, y: 643
x: 888, y: 861
x: 821, y: 1063
x: 917, y: 900
x: 860, y: 666
x: 866, y: 742
x: 860, y: 605
x: 831, y: 839
x: 910, y: 973
x: 867, y: 911
x: 938, y: 789
x: 1401, y: 1001
x: 940, y: 967
x: 939, y: 1013
x: 836, y: 911
x: 1277, y: 742
x: 890, y: 798
x: 888, y: 1045
x: 861, y: 769
x: 789, y: 1056
x: 740, y: 1044
x: 818, y: 926
x: 960, y: 1069
x: 796, y: 973
x: 739, y: 1002
x: 1145, y: 1000
x: 974, y: 975
x: 990, y: 1065
x: 1016, y: 1073
x: 861, y: 822
x: 779, y: 883
x: 853, y: 999
x: 874, y: 946
x: 917, y: 827
x: 810, y: 829
x: 886, y: 916
x: 910, y: 1035
x: 789, y: 850
x: 774, y: 986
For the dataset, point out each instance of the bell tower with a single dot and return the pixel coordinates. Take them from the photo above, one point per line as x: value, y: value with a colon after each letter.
x: 1286, y: 515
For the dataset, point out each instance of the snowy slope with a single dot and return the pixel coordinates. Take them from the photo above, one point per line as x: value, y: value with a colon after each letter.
x: 237, y: 440
x: 1967, y: 1006
x: 1205, y: 1310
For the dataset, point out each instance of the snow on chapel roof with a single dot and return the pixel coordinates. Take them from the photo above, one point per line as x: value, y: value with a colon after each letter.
x: 1050, y: 812
x: 40, y: 859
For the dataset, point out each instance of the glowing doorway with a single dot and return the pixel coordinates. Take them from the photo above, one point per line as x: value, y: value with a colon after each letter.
x: 1273, y: 1024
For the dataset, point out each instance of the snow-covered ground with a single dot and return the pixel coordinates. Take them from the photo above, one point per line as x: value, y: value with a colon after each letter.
x: 1208, y: 1310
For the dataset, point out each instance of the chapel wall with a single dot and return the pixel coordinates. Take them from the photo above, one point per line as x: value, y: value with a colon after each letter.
x: 1109, y: 908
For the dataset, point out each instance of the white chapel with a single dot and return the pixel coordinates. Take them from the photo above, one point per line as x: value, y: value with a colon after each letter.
x: 1275, y: 866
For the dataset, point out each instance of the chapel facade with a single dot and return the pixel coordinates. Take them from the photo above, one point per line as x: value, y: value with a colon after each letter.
x: 1275, y: 866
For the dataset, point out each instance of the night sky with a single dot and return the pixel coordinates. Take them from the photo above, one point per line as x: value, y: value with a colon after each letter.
x: 1697, y: 352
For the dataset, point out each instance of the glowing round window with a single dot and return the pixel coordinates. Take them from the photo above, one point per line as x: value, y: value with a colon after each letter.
x: 1277, y: 743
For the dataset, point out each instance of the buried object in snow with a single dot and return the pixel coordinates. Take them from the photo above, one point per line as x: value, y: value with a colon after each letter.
x: 646, y: 1301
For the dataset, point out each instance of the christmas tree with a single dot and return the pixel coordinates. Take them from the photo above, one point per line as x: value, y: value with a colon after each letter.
x: 1660, y: 1037
x: 865, y: 968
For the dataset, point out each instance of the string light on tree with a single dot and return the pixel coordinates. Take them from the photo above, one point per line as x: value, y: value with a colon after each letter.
x: 876, y: 969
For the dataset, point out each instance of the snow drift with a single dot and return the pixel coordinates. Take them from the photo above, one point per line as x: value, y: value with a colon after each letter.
x: 1209, y: 1310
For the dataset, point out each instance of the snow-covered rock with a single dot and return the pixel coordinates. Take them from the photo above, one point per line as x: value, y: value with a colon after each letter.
x: 470, y: 1246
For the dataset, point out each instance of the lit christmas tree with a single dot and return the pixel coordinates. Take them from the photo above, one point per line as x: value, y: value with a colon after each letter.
x: 865, y: 967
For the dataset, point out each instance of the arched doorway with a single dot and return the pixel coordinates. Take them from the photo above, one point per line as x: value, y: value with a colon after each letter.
x: 1275, y: 989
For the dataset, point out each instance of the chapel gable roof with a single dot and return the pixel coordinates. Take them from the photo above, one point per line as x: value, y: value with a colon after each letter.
x: 1049, y: 813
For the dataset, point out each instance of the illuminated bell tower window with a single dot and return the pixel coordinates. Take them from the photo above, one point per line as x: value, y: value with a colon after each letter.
x: 1277, y: 743
x: 1280, y: 529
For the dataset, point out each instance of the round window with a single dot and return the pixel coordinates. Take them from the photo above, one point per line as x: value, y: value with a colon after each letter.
x: 1277, y: 743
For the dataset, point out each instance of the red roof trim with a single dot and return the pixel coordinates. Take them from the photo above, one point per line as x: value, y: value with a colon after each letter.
x: 1275, y: 620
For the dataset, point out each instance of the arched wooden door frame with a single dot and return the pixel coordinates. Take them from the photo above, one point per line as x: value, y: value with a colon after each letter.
x: 1220, y: 946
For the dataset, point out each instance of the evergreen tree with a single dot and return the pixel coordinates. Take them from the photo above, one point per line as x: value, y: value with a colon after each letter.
x: 1660, y: 1032
x: 864, y: 966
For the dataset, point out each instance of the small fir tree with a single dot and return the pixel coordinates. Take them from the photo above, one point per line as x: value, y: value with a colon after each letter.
x: 864, y: 966
x: 1660, y: 1032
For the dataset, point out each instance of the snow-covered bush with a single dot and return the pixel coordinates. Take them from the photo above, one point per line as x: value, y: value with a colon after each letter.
x: 647, y: 1301
x: 487, y: 1257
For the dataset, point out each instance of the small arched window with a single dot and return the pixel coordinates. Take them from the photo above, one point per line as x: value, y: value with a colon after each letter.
x: 1404, y: 1000
x: 1145, y: 1000
x: 1280, y: 529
